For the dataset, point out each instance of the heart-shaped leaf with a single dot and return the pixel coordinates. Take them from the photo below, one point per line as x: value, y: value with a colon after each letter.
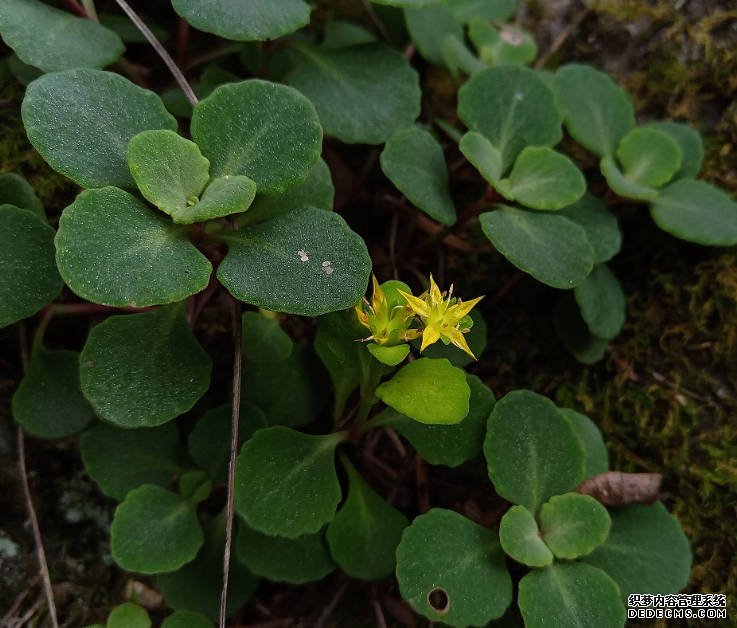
x: 365, y: 532
x: 575, y: 334
x: 450, y: 445
x: 428, y: 26
x: 277, y: 467
x: 154, y: 354
x: 548, y: 246
x: 51, y: 40
x: 600, y: 225
x: 646, y: 551
x: 573, y: 525
x: 483, y: 156
x: 690, y: 143
x: 169, y: 170
x: 596, y: 457
x: 349, y: 88
x: 450, y: 569
x: 74, y: 119
x: 29, y: 279
x: 186, y: 619
x: 512, y: 107
x: 531, y: 450
x: 149, y: 515
x: 209, y: 442
x: 316, y: 191
x: 413, y: 160
x: 112, y: 249
x: 520, y: 538
x: 251, y: 21
x: 597, y: 112
x: 307, y: 262
x: 304, y: 559
x: 429, y: 391
x: 649, y: 157
x: 267, y: 132
x: 48, y: 402
x: 197, y: 586
x: 570, y: 594
x: 623, y: 186
x: 15, y: 190
x: 121, y: 460
x: 601, y: 301
x: 543, y: 179
x: 698, y: 212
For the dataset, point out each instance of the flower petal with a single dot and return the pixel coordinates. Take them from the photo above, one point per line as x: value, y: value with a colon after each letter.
x: 459, y: 340
x: 429, y: 336
x: 417, y: 305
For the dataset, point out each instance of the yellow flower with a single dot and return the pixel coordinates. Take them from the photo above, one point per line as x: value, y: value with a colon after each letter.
x: 441, y: 316
x: 388, y: 321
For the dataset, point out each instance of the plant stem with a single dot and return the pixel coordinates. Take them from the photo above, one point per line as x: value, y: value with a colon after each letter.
x: 89, y: 9
x: 161, y: 51
x: 371, y: 378
x: 40, y: 552
x: 235, y: 418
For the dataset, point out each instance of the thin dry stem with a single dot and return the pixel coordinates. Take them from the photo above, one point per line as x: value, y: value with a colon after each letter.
x: 235, y: 418
x: 161, y: 51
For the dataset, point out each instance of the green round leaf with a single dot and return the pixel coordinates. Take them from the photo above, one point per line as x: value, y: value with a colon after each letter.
x: 543, y: 179
x: 573, y: 525
x: 365, y: 532
x: 121, y: 460
x: 277, y: 468
x: 698, y: 212
x: 597, y: 112
x: 551, y: 248
x: 602, y: 302
x: 316, y: 191
x: 442, y: 552
x: 154, y: 531
x: 596, y: 458
x: 429, y: 391
x: 413, y: 160
x: 224, y: 196
x: 290, y: 392
x: 512, y: 107
x: 570, y: 594
x: 600, y: 225
x: 520, y: 538
x: 75, y: 120
x: 306, y: 262
x: 531, y: 450
x: 428, y: 26
x: 646, y: 551
x: 169, y: 170
x: 111, y: 249
x: 573, y: 331
x: 186, y: 619
x: 48, y: 402
x: 142, y: 370
x: 29, y: 279
x: 262, y: 130
x: 649, y: 157
x: 15, y: 190
x: 264, y: 340
x: 128, y: 615
x: 350, y: 89
x: 197, y: 586
x: 391, y: 356
x: 690, y: 143
x: 51, y: 40
x: 476, y: 339
x: 304, y: 559
x: 450, y: 445
x: 483, y: 156
x: 250, y: 21
x: 209, y: 441
x: 622, y: 185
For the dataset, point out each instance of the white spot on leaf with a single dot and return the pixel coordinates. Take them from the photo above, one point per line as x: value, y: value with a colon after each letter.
x: 327, y: 267
x: 303, y: 257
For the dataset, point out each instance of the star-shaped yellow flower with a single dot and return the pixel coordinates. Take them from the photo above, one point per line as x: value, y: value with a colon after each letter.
x: 441, y: 316
x: 388, y: 321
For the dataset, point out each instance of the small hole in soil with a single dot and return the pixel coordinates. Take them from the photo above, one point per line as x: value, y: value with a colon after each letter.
x: 438, y: 599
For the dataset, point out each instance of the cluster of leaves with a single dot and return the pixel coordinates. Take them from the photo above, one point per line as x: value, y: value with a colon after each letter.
x: 250, y: 193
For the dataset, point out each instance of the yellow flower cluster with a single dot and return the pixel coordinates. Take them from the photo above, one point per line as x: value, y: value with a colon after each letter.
x: 440, y: 316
